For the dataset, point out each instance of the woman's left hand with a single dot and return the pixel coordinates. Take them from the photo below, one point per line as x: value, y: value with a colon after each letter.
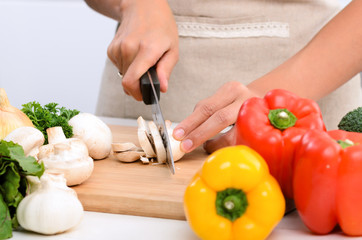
x: 210, y: 117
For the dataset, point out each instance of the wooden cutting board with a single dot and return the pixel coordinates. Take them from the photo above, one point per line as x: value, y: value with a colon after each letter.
x: 135, y: 188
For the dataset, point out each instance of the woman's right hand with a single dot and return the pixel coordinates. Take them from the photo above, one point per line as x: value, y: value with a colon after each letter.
x: 147, y: 35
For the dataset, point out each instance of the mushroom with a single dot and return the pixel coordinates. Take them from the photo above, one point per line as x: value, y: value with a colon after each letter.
x: 150, y: 139
x: 145, y: 139
x: 127, y: 152
x: 67, y: 156
x: 151, y: 143
x: 94, y: 132
x: 177, y: 153
x: 29, y: 138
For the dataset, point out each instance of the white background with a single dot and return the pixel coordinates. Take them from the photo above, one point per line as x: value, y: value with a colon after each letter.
x: 53, y: 51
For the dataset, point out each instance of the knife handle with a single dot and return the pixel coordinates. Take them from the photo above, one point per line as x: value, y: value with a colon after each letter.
x: 146, y: 88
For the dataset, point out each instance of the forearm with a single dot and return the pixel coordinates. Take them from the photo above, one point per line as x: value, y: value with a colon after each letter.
x: 331, y: 58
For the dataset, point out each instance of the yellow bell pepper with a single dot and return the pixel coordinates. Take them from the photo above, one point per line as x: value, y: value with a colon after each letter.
x: 233, y: 196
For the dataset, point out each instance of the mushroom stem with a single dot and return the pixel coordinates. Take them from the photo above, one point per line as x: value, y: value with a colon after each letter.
x: 55, y: 135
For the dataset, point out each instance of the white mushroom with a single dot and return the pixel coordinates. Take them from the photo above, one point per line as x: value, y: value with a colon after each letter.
x: 94, y: 132
x: 67, y: 156
x: 145, y: 139
x: 127, y: 152
x: 29, y: 138
x: 151, y: 142
x: 177, y: 153
x: 158, y: 143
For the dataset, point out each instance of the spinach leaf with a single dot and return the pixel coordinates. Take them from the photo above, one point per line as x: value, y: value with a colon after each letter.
x: 14, y: 167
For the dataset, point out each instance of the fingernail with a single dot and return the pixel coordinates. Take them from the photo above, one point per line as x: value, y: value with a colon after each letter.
x: 186, y: 145
x: 178, y: 133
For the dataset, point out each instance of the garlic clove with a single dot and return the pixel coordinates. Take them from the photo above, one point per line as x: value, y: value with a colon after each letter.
x: 94, y: 132
x: 145, y: 139
x: 29, y: 138
x: 157, y: 140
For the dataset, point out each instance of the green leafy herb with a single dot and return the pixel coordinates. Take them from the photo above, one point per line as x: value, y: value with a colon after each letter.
x: 14, y: 167
x: 49, y: 116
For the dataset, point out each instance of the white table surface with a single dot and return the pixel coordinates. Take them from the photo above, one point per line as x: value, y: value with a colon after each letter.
x: 95, y: 225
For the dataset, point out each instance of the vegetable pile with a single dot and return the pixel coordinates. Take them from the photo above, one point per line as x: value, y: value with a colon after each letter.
x: 321, y: 170
x: 14, y: 167
x: 49, y: 116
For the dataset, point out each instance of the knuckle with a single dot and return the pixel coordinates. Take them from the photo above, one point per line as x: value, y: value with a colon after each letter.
x: 223, y: 117
x: 127, y: 47
x: 206, y: 109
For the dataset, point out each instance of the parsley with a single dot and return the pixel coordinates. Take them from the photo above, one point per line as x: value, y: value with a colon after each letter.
x: 49, y: 116
x: 14, y: 167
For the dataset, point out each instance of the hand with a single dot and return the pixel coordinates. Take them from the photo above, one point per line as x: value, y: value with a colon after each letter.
x: 211, y: 116
x: 147, y: 35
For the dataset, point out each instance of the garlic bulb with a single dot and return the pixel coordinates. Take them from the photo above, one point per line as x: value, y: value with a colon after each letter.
x: 94, y: 133
x: 10, y: 117
x: 67, y: 156
x: 51, y: 208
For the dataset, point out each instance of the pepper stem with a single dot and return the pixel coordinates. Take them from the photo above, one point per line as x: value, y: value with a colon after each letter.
x: 282, y: 118
x: 231, y: 203
x: 345, y: 143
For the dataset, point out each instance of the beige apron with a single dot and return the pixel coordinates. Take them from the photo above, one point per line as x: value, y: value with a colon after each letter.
x: 229, y: 40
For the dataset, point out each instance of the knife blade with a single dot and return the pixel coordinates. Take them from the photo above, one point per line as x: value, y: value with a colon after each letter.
x: 150, y: 89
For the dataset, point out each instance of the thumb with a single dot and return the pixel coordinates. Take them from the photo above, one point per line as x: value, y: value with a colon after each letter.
x: 223, y: 140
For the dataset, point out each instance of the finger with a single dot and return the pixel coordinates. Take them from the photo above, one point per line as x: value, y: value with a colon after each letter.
x: 225, y: 96
x: 223, y: 140
x: 110, y: 54
x: 165, y: 66
x: 127, y: 51
x: 147, y: 56
x: 215, y: 124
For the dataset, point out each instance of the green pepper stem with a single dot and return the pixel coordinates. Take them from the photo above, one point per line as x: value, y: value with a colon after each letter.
x: 282, y: 118
x: 231, y: 203
x: 345, y: 143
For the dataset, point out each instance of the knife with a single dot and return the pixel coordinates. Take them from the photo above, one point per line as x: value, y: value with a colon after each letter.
x: 150, y: 89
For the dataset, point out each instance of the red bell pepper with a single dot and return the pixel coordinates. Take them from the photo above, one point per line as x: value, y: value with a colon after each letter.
x: 328, y: 181
x: 273, y: 126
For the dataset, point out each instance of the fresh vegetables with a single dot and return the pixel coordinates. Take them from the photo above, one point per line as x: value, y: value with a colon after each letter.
x: 68, y: 156
x: 151, y: 143
x: 352, y: 121
x: 51, y: 207
x: 14, y: 167
x: 273, y: 126
x: 233, y: 196
x: 49, y: 116
x: 94, y: 133
x: 328, y: 181
x: 29, y: 138
x: 10, y: 117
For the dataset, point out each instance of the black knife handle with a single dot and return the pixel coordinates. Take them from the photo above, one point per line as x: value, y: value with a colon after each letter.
x: 146, y: 88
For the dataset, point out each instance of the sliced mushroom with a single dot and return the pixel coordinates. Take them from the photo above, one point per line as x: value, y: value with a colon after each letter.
x: 151, y: 141
x: 145, y: 139
x: 177, y: 153
x: 158, y: 143
x: 127, y: 152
